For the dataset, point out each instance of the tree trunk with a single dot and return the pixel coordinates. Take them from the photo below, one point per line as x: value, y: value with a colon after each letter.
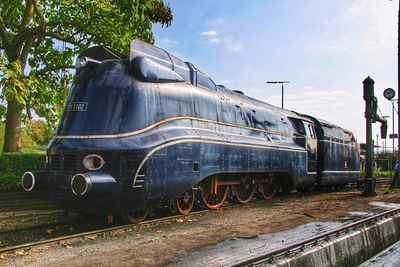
x: 12, y: 137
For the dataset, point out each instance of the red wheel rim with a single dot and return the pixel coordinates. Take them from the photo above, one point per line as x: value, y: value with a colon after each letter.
x: 185, y: 202
x: 244, y: 193
x: 268, y: 190
x: 211, y: 199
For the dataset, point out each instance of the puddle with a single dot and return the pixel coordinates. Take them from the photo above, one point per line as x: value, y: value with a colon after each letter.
x: 248, y: 237
x: 359, y: 213
x: 356, y: 214
x: 385, y: 205
x: 388, y: 257
x: 225, y: 253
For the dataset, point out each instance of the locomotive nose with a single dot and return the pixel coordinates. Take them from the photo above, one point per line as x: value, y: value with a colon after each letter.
x: 100, y: 183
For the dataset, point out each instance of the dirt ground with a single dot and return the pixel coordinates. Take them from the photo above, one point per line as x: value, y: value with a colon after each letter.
x: 162, y: 243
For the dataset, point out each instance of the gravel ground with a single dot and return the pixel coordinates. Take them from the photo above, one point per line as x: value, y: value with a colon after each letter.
x: 169, y: 242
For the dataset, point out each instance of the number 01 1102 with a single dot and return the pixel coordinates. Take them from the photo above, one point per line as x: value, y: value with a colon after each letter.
x: 77, y: 106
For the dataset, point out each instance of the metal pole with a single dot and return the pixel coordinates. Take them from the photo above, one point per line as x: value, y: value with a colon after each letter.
x: 391, y: 163
x: 398, y: 93
x: 283, y: 89
x: 370, y: 149
x: 369, y: 97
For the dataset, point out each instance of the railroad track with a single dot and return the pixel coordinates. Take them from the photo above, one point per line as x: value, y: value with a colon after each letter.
x: 108, y: 231
x: 271, y: 257
x: 12, y: 238
x: 104, y: 231
x: 44, y: 227
x: 20, y: 201
x: 383, y: 180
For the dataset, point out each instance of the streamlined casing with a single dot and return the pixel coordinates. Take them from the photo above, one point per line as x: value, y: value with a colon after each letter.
x: 158, y: 139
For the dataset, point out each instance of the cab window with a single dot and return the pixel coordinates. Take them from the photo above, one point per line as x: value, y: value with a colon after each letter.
x: 310, y: 131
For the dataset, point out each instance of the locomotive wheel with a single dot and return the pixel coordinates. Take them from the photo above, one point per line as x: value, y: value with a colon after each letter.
x: 268, y: 190
x: 185, y: 202
x: 244, y: 192
x: 135, y: 217
x: 211, y: 199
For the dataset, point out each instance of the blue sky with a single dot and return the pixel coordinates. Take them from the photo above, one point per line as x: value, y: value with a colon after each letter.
x: 324, y: 48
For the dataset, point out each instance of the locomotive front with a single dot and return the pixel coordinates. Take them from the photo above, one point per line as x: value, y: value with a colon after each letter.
x: 90, y: 161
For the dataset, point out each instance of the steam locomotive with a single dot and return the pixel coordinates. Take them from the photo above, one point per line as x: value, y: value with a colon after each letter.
x: 139, y: 131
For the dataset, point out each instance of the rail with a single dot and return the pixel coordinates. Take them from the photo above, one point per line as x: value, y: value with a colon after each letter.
x: 301, y: 245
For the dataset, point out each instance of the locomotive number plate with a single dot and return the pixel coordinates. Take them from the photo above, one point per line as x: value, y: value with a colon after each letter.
x: 77, y: 106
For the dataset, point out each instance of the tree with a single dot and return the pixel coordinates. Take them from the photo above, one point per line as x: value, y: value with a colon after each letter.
x: 38, y: 41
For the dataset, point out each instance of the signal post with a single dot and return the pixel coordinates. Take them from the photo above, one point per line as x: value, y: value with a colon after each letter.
x: 371, y: 116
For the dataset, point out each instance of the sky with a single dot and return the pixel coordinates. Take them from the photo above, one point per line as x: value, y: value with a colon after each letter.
x: 324, y: 48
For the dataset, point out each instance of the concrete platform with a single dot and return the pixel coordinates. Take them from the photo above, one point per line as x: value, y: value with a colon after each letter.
x: 348, y: 249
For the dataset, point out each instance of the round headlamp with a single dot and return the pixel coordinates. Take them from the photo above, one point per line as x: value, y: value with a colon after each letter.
x: 93, y: 162
x: 81, y: 62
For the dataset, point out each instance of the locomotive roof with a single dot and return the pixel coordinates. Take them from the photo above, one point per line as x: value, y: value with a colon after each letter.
x: 196, y: 77
x: 186, y: 70
x: 334, y: 131
x: 102, y: 53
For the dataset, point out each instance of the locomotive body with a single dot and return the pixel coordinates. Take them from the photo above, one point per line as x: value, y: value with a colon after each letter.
x: 137, y: 132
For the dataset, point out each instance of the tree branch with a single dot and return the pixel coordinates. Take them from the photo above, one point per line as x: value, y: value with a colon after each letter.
x: 28, y: 33
x: 40, y: 15
x: 25, y: 53
x: 43, y: 71
x: 27, y: 15
x: 66, y: 39
x: 4, y: 37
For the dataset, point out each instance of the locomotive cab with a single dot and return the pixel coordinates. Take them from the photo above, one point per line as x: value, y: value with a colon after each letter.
x: 306, y: 136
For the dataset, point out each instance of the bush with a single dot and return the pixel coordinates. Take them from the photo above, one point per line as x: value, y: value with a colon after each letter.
x: 13, y: 166
x: 377, y: 173
x: 380, y: 173
x: 1, y: 135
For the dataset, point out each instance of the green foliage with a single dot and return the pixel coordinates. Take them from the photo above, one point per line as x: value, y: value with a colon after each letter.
x: 380, y: 173
x: 36, y: 134
x: 3, y: 112
x: 385, y: 156
x: 1, y: 135
x: 45, y: 36
x: 377, y: 173
x: 15, y: 85
x: 39, y: 132
x: 14, y: 165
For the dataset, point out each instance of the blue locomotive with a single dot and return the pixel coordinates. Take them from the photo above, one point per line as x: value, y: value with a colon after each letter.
x: 139, y: 131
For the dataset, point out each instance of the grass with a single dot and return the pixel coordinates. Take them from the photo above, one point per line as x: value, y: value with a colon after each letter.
x: 387, y: 190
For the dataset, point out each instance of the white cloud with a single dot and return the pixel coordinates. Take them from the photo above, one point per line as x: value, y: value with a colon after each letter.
x: 360, y: 41
x: 215, y: 21
x: 363, y: 29
x: 231, y: 45
x: 167, y: 43
x: 210, y: 33
x: 215, y: 38
x: 224, y: 82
